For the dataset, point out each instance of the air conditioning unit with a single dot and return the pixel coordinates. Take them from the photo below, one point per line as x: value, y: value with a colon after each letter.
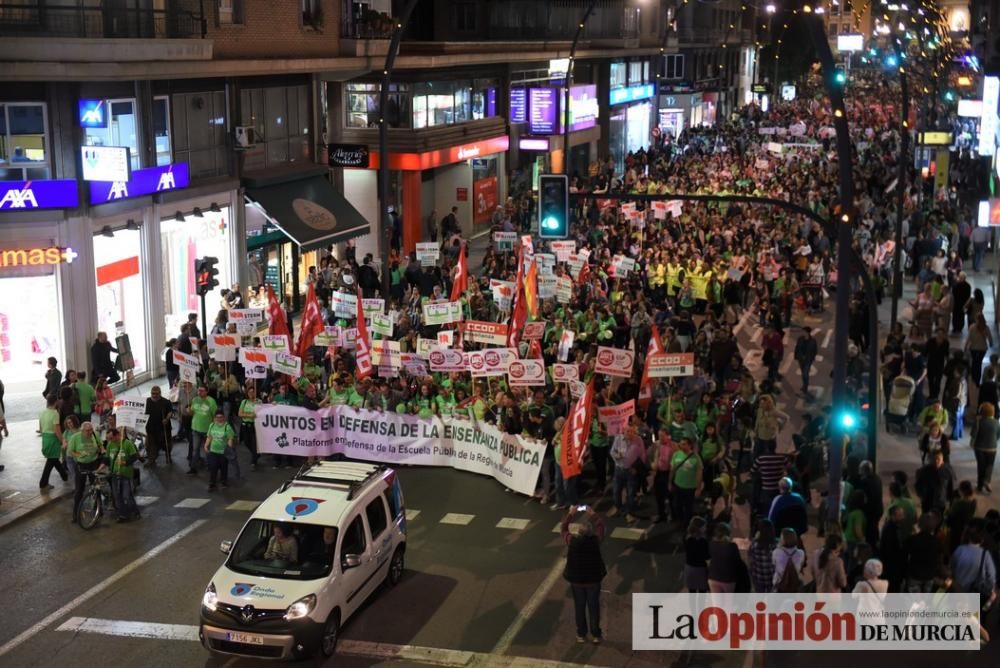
x: 245, y: 137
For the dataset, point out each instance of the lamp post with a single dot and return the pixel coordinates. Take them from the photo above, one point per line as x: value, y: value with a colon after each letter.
x: 904, y: 144
x: 564, y: 113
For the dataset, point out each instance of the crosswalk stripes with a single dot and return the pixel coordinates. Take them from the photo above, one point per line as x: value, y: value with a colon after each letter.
x: 513, y: 523
x: 628, y: 533
x: 145, y: 500
x: 411, y: 514
x: 243, y: 505
x: 574, y: 528
x: 459, y: 519
x: 191, y: 503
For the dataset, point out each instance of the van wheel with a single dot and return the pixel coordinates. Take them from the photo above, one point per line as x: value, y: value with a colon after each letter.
x: 395, y: 568
x: 331, y: 633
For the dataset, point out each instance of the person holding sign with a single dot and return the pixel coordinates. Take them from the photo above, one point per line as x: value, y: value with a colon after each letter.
x: 122, y: 453
x: 248, y: 435
x: 219, y: 437
x: 203, y: 407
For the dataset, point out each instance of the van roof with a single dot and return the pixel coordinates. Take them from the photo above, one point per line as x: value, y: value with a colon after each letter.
x: 321, y: 493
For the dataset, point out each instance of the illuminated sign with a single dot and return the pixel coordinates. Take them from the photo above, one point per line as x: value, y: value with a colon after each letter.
x: 632, y: 94
x: 760, y: 88
x: 788, y: 92
x: 935, y: 138
x: 533, y: 144
x: 542, y: 111
x: 444, y: 156
x: 18, y: 195
x: 518, y: 105
x: 850, y: 42
x: 92, y: 113
x: 988, y: 127
x: 105, y: 163
x: 970, y: 108
x: 143, y: 182
x: 36, y: 257
x: 583, y: 107
x: 558, y: 67
x: 989, y: 212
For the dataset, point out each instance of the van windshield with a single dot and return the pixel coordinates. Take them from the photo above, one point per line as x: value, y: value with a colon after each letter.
x: 284, y: 550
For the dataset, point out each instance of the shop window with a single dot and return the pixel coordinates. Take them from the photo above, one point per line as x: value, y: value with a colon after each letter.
x: 833, y: 30
x: 161, y: 129
x: 463, y: 101
x: 24, y: 153
x: 362, y: 100
x: 182, y: 242
x: 121, y: 130
x: 121, y: 303
x: 29, y: 335
x: 484, y: 98
x: 618, y: 75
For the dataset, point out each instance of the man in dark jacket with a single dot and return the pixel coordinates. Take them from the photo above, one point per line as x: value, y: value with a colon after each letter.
x: 788, y: 510
x: 891, y: 552
x: 935, y: 484
x: 805, y: 354
x: 100, y: 358
x: 584, y: 570
x: 961, y: 292
x: 368, y: 278
x: 936, y: 351
x: 871, y: 485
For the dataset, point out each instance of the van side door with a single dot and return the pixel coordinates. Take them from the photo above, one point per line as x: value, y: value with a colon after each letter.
x: 356, y: 564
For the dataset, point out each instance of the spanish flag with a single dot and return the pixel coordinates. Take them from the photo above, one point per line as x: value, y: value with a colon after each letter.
x: 531, y: 289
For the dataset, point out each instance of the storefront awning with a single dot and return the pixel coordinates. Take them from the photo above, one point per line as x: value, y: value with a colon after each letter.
x: 304, y: 205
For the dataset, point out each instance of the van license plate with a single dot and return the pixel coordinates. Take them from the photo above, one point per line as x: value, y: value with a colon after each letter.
x: 245, y: 638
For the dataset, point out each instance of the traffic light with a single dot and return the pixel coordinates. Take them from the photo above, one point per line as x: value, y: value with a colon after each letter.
x: 553, y: 206
x: 839, y: 77
x: 847, y: 419
x: 207, y: 274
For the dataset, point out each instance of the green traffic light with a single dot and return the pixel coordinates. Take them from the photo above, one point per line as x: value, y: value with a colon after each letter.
x: 840, y: 77
x: 949, y: 96
x: 550, y: 223
x: 848, y: 420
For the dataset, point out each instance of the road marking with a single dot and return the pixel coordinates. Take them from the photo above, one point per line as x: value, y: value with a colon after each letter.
x: 826, y: 339
x: 513, y: 523
x: 411, y: 514
x: 786, y: 364
x: 243, y: 505
x: 191, y: 503
x: 742, y: 322
x: 628, y: 533
x: 115, y: 627
x: 435, y: 656
x: 525, y: 612
x: 11, y: 495
x: 574, y: 528
x: 99, y: 587
x: 145, y: 500
x: 457, y: 518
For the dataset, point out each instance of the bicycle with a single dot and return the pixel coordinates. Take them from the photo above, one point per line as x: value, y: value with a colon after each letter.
x: 96, y: 497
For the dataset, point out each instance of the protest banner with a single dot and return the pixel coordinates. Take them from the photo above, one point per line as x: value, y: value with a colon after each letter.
x: 616, y: 417
x: 547, y: 286
x: 504, y: 241
x: 413, y: 364
x: 481, y: 331
x: 533, y: 331
x: 564, y: 289
x: 442, y: 313
x: 564, y: 373
x: 428, y: 253
x: 222, y: 347
x: 614, y: 362
x: 563, y: 249
x: 185, y: 360
x: 491, y: 362
x: 275, y: 342
x: 189, y: 374
x: 526, y: 373
x: 669, y: 365
x: 446, y: 360
x: 425, y: 346
x: 546, y: 263
x: 344, y: 304
x: 127, y: 411
x: 251, y: 315
x: 373, y: 306
x: 330, y: 336
x: 381, y: 324
x: 400, y: 439
x: 288, y: 364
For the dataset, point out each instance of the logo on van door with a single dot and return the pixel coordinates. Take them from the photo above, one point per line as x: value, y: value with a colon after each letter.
x: 300, y: 506
x: 241, y: 588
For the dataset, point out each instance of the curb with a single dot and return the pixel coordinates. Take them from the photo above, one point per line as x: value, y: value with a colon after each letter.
x: 16, y: 516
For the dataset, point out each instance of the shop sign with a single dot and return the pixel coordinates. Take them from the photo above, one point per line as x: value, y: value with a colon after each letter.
x: 347, y: 155
x: 990, y: 124
x: 92, y: 113
x: 461, y: 194
x: 143, y: 182
x: 583, y: 107
x: 935, y: 138
x: 444, y: 156
x: 989, y: 212
x: 105, y: 163
x: 533, y: 144
x: 632, y: 94
x: 36, y: 257
x: 485, y: 193
x: 57, y: 194
x: 518, y: 105
x: 558, y: 67
x: 970, y: 108
x: 542, y: 111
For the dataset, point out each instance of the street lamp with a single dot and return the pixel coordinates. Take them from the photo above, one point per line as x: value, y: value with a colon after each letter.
x: 770, y: 8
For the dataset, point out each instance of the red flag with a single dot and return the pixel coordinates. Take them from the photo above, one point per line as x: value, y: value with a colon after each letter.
x: 312, y: 323
x: 518, y: 319
x: 278, y: 325
x: 584, y: 274
x: 531, y: 289
x: 362, y: 346
x: 535, y: 350
x: 645, y: 387
x: 576, y: 432
x: 461, y: 283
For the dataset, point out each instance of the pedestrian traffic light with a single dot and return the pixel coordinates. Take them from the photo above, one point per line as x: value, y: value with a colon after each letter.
x: 207, y: 274
x: 553, y: 206
x: 847, y: 419
x: 839, y: 77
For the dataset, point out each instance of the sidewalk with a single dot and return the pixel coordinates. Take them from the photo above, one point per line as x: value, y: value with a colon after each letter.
x: 899, y: 452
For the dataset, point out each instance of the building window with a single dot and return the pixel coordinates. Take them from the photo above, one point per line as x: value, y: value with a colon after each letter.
x: 673, y: 66
x: 618, y: 77
x: 362, y: 101
x: 280, y: 119
x: 197, y: 132
x: 120, y: 296
x: 833, y: 30
x: 161, y: 129
x: 634, y: 73
x: 464, y: 17
x: 121, y: 130
x: 484, y: 98
x: 312, y: 13
x: 231, y: 12
x: 24, y: 153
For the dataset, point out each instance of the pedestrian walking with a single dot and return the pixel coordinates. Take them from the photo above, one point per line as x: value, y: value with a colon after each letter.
x: 789, y: 561
x: 219, y: 437
x: 805, y: 354
x: 51, y: 429
x: 984, y: 436
x: 761, y: 557
x: 203, y: 408
x: 585, y: 570
x: 725, y: 565
x: 158, y: 427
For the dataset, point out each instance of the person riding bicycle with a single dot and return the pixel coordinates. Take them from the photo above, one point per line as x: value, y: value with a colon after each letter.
x: 122, y: 453
x: 85, y: 449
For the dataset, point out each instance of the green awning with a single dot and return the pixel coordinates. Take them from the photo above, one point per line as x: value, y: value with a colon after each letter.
x: 304, y: 205
x: 261, y: 240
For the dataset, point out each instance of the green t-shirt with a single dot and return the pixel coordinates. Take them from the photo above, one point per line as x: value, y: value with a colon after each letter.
x: 709, y: 449
x: 446, y: 406
x: 685, y: 469
x: 119, y: 454
x: 854, y: 525
x: 48, y: 420
x: 356, y: 400
x: 338, y: 398
x: 248, y: 406
x: 85, y: 392
x: 83, y: 450
x: 220, y: 435
x: 202, y: 413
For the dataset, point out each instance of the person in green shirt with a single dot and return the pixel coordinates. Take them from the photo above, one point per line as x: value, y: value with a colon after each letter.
x: 686, y: 475
x: 48, y: 424
x: 248, y: 434
x: 85, y: 448
x: 121, y: 454
x: 85, y: 397
x: 203, y: 407
x: 219, y: 437
x: 599, y: 446
x: 337, y: 394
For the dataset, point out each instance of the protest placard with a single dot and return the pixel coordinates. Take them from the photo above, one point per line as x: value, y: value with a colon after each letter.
x: 547, y: 286
x: 381, y: 325
x: 564, y: 373
x: 288, y: 364
x: 614, y: 361
x: 442, y: 313
x: 428, y: 253
x: 222, y: 347
x: 669, y: 365
x: 563, y: 249
x: 533, y: 331
x: 446, y: 360
x: 491, y: 362
x: 275, y: 342
x: 489, y: 333
x: 616, y: 417
x: 526, y: 373
x: 504, y: 241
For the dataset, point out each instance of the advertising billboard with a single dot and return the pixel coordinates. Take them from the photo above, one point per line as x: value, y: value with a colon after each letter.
x: 542, y: 111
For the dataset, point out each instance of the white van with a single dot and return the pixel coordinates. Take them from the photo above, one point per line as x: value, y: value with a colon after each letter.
x: 308, y: 557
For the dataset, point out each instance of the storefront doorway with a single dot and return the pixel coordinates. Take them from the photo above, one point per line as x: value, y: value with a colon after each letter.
x: 121, y: 302
x: 30, y: 332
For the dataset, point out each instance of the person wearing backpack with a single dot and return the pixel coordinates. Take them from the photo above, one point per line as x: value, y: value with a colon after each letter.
x: 789, y: 560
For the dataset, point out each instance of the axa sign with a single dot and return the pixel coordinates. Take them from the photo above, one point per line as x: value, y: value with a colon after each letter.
x: 24, y: 195
x: 143, y: 182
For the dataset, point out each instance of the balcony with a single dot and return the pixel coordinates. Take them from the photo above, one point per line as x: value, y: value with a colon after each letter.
x: 611, y: 24
x: 101, y: 34
x: 365, y: 32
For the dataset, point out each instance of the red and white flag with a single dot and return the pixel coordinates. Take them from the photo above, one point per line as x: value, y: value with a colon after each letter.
x: 312, y: 323
x: 576, y: 432
x: 362, y: 345
x: 461, y: 277
x: 645, y: 387
x: 277, y: 326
